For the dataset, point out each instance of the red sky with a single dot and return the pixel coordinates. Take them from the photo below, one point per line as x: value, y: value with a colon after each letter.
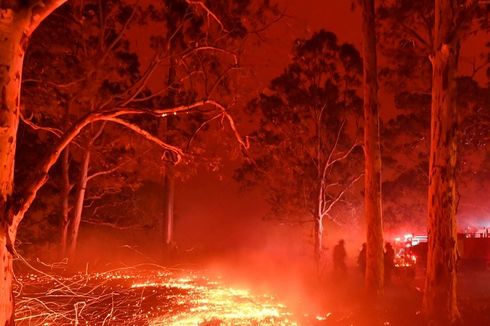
x: 214, y: 207
x: 218, y: 205
x: 302, y: 19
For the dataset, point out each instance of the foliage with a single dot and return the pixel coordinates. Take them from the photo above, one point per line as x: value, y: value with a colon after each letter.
x: 94, y: 66
x: 307, y: 119
x: 406, y: 43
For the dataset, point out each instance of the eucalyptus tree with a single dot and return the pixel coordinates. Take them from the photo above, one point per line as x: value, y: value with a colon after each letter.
x: 306, y: 147
x: 372, y: 153
x: 430, y: 36
x: 19, y: 19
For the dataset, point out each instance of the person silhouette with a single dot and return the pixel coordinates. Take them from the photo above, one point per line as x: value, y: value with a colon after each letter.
x: 339, y: 255
x: 361, y: 259
x: 389, y: 258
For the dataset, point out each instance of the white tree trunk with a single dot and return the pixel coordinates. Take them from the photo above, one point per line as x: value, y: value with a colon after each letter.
x: 169, y: 192
x: 18, y: 19
x: 318, y: 239
x: 65, y: 206
x: 79, y: 201
x: 12, y: 47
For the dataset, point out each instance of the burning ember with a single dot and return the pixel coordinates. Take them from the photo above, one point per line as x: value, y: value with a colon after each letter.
x: 136, y: 296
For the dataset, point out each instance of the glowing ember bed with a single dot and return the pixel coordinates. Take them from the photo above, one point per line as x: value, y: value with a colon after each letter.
x: 142, y: 297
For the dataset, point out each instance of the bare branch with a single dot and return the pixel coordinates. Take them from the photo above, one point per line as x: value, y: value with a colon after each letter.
x: 26, y: 198
x: 53, y: 84
x: 112, y: 225
x: 149, y: 136
x: 121, y: 33
x: 340, y: 194
x: 208, y: 12
x: 57, y: 132
x: 332, y: 150
x: 105, y: 172
x: 200, y: 127
x: 245, y: 144
x: 211, y: 48
x: 346, y: 154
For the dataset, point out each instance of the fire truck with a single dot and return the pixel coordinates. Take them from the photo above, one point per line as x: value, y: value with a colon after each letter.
x: 410, y: 252
x: 473, y: 250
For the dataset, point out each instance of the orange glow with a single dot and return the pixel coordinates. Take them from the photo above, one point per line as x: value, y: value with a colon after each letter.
x: 155, y: 297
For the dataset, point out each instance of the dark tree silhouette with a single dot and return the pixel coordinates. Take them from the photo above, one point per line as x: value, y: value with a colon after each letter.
x: 306, y: 152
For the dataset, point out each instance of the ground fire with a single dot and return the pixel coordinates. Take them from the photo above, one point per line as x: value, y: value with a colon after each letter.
x: 244, y: 162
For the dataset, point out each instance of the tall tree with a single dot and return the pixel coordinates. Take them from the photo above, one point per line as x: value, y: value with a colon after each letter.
x: 306, y: 158
x: 406, y: 42
x: 440, y: 301
x: 18, y: 20
x: 452, y: 19
x: 372, y: 154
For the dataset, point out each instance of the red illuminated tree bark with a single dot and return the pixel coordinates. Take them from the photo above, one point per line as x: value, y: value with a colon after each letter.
x: 440, y: 301
x: 372, y: 154
x: 452, y: 19
x: 407, y: 40
x: 18, y: 19
x: 74, y: 223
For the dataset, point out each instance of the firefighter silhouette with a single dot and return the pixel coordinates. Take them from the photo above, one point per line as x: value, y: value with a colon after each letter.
x: 361, y: 259
x: 339, y: 255
x: 389, y: 264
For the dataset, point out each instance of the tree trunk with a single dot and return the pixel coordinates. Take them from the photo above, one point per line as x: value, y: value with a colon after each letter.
x: 168, y: 198
x: 65, y: 166
x: 79, y: 201
x: 440, y: 304
x: 372, y: 153
x: 318, y: 239
x: 6, y: 276
x: 166, y: 224
x: 17, y: 22
x: 12, y: 49
x: 318, y: 227
x: 169, y: 180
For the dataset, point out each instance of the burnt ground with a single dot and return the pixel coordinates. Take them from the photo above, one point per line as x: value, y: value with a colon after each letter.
x: 401, y: 303
x: 112, y: 299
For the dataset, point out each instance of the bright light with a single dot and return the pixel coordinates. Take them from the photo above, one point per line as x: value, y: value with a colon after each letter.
x: 143, y: 297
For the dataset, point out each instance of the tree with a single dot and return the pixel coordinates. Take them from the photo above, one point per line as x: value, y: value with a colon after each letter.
x: 440, y: 288
x: 451, y: 21
x: 307, y: 157
x: 181, y: 32
x: 436, y: 29
x: 79, y: 80
x: 406, y: 73
x: 19, y: 20
x: 100, y: 65
x: 372, y: 154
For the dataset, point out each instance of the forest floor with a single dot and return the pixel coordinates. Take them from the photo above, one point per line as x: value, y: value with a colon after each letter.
x: 153, y: 295
x: 401, y: 303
